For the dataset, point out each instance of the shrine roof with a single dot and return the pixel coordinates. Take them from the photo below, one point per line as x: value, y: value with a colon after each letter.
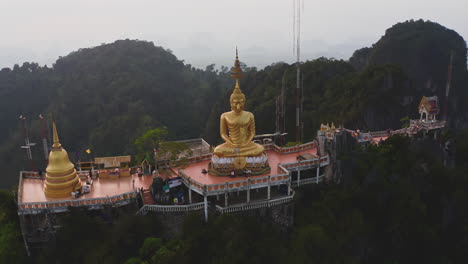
x: 431, y: 104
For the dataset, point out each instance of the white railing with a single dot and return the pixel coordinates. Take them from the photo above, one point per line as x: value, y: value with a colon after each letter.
x: 170, y: 208
x: 313, y: 180
x: 254, y: 205
x: 418, y: 125
x: 299, y: 147
x: 20, y: 189
x: 253, y: 183
x: 240, y: 185
x: 305, y: 164
x: 380, y: 133
x: 31, y: 175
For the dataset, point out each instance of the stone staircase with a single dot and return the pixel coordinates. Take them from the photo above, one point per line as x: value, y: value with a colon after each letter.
x: 148, y: 197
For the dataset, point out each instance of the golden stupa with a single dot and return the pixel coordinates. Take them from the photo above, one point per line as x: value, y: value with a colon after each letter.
x: 61, y: 177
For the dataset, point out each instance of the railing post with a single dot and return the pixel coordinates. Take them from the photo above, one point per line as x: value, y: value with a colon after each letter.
x: 289, y: 186
x: 190, y: 195
x: 248, y: 190
x: 318, y: 172
x: 298, y: 173
x: 269, y: 187
x: 205, y: 200
x: 226, y: 195
x: 189, y: 191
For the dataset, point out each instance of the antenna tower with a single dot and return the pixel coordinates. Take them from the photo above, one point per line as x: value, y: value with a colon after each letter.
x: 297, y: 48
x: 280, y: 112
x: 44, y: 138
x: 28, y: 144
x: 447, y: 88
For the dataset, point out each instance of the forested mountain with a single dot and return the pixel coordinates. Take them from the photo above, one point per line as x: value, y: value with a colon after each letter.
x: 105, y: 97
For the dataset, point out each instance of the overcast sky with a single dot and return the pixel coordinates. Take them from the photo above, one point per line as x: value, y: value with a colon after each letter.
x: 202, y: 32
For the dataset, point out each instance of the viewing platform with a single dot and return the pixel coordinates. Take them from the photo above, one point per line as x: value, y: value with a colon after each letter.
x: 115, y: 192
x: 243, y: 192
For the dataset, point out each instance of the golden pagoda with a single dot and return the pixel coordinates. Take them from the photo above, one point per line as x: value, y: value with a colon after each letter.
x: 61, y: 177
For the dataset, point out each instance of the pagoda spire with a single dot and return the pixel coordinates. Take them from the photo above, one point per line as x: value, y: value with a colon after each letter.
x: 236, y: 70
x: 55, y: 136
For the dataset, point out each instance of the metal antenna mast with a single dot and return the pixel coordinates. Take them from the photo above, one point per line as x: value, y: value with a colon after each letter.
x: 297, y: 40
x: 447, y: 88
x: 44, y: 138
x: 280, y: 112
x: 28, y: 144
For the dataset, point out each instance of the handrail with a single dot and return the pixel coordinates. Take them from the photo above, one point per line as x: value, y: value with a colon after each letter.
x: 78, y: 202
x: 255, y: 205
x: 20, y: 188
x: 321, y: 178
x: 170, y: 208
x: 246, y: 183
x: 31, y: 175
x: 297, y: 148
x: 380, y: 133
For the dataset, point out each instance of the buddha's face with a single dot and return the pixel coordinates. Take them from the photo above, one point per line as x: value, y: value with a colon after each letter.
x: 237, y: 104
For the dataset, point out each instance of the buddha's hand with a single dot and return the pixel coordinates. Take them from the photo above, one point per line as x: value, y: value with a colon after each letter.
x: 238, y: 145
x: 228, y: 140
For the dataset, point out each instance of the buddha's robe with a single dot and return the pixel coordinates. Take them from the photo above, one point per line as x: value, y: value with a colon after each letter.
x: 238, y: 130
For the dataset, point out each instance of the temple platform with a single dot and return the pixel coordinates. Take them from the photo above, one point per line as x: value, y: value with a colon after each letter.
x: 31, y: 195
x: 240, y: 193
x: 194, y: 170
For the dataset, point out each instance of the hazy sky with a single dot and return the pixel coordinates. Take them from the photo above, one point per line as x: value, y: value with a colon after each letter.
x: 206, y: 31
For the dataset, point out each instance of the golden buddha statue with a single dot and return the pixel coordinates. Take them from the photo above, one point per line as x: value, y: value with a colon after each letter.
x: 61, y: 177
x: 237, y: 127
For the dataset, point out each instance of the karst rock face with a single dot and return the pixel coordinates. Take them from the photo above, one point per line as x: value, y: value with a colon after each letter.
x: 422, y: 50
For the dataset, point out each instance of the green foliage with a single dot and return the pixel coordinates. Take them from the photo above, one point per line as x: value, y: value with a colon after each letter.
x: 86, y: 238
x: 150, y: 245
x: 405, y: 121
x: 134, y: 261
x: 175, y: 152
x: 163, y: 256
x: 292, y: 144
x: 461, y: 142
x: 149, y: 141
x: 11, y: 242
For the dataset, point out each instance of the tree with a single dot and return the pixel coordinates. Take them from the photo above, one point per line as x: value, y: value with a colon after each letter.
x: 11, y: 243
x: 173, y: 152
x: 149, y: 141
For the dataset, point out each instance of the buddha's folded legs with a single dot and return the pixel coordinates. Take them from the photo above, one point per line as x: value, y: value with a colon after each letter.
x: 249, y: 150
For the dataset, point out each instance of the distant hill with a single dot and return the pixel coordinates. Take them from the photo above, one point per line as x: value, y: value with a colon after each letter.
x: 106, y: 96
x: 422, y: 50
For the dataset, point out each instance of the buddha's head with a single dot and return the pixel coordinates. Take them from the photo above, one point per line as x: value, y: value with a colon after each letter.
x: 237, y: 99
